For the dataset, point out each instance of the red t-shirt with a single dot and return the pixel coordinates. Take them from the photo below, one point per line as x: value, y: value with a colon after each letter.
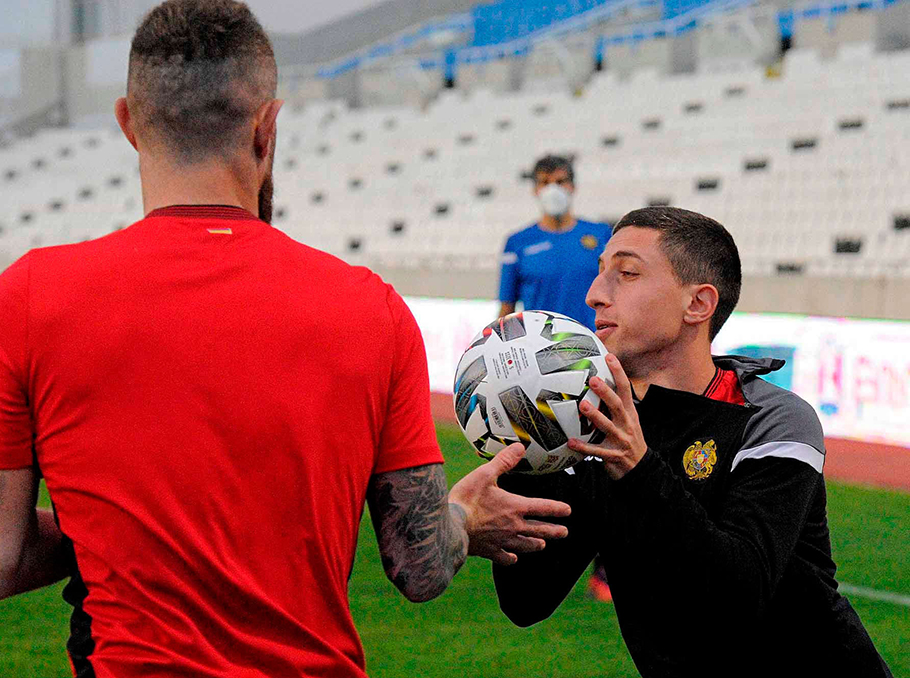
x: 208, y: 400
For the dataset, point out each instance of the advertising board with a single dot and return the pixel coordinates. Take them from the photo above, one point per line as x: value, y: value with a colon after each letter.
x: 854, y: 372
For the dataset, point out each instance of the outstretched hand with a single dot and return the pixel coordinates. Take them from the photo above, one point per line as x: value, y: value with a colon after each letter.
x: 624, y: 445
x: 497, y: 521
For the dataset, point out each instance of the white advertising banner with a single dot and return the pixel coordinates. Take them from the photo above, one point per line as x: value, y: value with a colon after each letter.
x: 855, y: 373
x: 448, y: 326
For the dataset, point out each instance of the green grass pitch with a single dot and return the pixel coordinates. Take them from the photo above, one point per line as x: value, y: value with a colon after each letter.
x: 464, y: 633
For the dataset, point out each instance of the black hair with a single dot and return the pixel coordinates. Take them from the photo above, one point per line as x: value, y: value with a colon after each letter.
x: 553, y: 163
x: 198, y: 70
x: 700, y: 250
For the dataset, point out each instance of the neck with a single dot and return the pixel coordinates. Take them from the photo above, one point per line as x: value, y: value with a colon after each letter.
x: 562, y: 223
x: 681, y: 367
x: 165, y: 183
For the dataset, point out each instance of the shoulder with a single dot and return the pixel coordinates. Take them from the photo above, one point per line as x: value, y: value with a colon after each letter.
x: 784, y: 426
x: 15, y: 282
x: 121, y: 245
x: 782, y: 413
x: 361, y: 286
x: 603, y: 232
x: 524, y: 236
x: 58, y: 262
x: 596, y: 227
x: 591, y: 236
x: 338, y: 271
x: 16, y: 276
x: 374, y: 298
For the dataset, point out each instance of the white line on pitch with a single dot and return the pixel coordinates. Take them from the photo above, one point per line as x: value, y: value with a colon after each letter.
x: 874, y: 594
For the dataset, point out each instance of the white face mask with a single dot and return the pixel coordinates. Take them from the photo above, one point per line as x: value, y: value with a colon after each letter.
x: 554, y: 200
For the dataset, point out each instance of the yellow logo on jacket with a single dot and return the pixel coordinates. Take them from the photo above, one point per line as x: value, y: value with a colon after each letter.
x: 589, y: 242
x: 699, y: 459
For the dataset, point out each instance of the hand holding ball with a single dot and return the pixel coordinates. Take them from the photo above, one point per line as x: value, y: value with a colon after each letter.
x: 522, y: 380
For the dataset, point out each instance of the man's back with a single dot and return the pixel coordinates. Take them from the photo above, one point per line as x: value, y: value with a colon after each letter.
x: 209, y: 400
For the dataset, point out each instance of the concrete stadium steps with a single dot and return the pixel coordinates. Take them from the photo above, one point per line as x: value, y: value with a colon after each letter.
x: 808, y: 170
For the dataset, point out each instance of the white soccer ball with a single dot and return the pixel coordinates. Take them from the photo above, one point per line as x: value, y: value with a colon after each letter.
x: 521, y: 380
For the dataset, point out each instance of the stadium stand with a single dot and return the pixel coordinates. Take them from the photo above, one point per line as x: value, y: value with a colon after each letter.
x: 805, y: 163
x: 807, y: 169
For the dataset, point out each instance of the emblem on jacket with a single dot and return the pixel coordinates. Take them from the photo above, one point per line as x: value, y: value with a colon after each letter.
x: 699, y: 459
x: 589, y: 242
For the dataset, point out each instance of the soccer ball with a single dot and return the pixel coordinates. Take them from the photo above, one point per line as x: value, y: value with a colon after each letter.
x: 521, y: 380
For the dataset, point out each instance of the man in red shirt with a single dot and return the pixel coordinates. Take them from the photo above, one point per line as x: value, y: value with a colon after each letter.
x: 211, y: 403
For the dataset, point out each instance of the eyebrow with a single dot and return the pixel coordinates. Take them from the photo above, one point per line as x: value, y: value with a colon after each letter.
x: 622, y: 255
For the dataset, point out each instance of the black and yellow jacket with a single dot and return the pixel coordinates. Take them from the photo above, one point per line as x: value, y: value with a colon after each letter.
x: 716, y: 544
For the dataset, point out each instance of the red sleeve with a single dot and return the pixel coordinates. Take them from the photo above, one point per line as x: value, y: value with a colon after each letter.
x: 408, y: 435
x: 15, y: 416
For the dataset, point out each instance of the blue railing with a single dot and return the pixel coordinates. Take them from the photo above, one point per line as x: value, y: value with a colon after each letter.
x: 490, y: 32
x: 787, y: 19
x: 466, y: 25
x: 508, y: 20
x: 674, y: 8
x: 663, y: 28
x: 458, y: 24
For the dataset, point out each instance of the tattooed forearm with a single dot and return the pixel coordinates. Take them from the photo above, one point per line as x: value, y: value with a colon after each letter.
x: 421, y: 536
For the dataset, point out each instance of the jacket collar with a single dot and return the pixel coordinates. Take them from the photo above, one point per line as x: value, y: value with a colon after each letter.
x: 748, y: 368
x: 745, y: 368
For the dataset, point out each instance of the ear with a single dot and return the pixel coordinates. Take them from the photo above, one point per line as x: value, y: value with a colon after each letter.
x: 122, y: 113
x: 702, y: 304
x: 266, y: 125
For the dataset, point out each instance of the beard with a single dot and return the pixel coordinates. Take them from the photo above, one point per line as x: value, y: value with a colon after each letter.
x: 266, y: 192
x: 640, y: 359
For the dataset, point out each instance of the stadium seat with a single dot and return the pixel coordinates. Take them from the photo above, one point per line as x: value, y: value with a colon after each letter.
x: 789, y: 164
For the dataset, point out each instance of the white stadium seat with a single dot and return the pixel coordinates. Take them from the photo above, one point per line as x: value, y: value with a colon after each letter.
x: 798, y: 167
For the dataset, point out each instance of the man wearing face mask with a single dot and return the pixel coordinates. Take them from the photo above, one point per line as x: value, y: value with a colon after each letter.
x: 550, y: 265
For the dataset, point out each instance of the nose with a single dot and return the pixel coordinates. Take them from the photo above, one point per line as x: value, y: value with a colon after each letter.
x: 598, y: 295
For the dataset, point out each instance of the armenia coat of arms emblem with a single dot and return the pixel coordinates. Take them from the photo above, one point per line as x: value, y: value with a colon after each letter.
x: 699, y: 459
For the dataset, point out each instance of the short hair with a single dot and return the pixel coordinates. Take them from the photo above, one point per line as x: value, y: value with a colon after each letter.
x: 198, y: 71
x: 553, y: 163
x: 700, y: 250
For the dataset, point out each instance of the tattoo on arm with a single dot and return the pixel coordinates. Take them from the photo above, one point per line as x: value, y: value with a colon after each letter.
x: 422, y: 538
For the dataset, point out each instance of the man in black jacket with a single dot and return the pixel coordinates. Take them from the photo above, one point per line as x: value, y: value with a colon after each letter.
x: 706, y: 500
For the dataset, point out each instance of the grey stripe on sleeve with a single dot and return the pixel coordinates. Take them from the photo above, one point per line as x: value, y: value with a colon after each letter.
x: 783, y: 450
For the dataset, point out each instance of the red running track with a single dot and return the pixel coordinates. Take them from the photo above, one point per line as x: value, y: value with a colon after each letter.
x: 850, y: 461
